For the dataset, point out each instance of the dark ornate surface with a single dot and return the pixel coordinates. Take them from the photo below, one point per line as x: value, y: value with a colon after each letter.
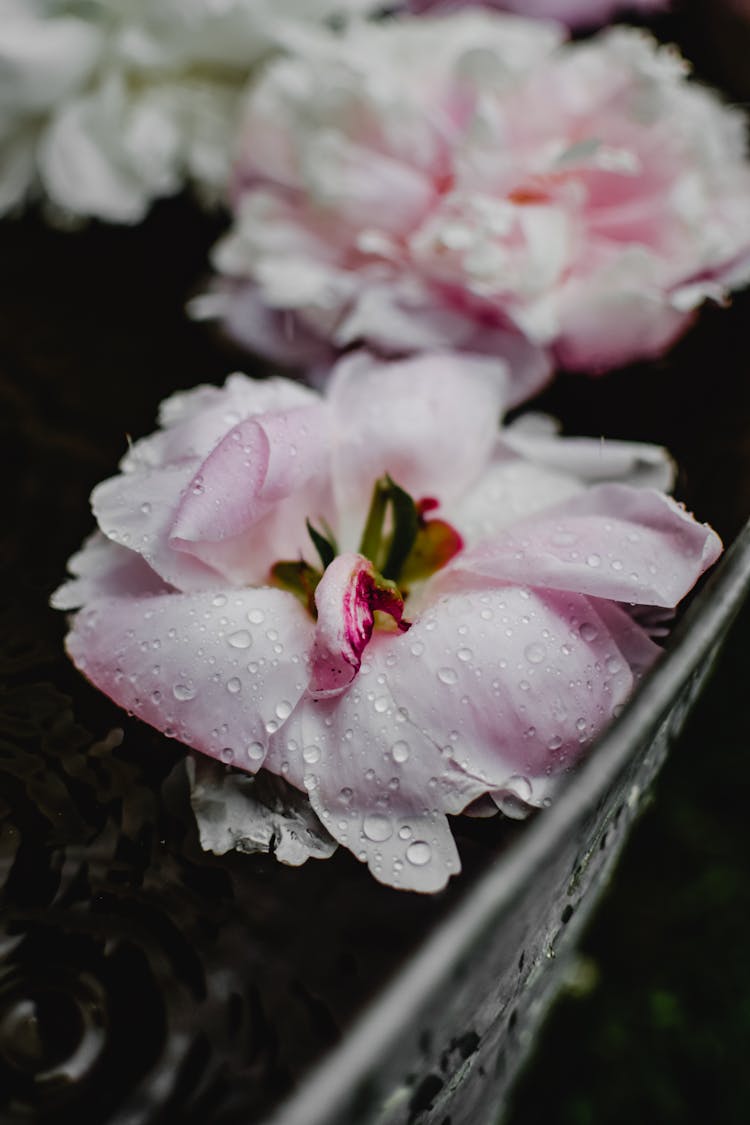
x: 142, y: 981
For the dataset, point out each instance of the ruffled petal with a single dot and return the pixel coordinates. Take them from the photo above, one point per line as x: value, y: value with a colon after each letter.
x: 219, y: 671
x: 136, y: 510
x: 247, y: 504
x: 102, y: 569
x: 611, y: 541
x: 235, y: 811
x: 193, y: 422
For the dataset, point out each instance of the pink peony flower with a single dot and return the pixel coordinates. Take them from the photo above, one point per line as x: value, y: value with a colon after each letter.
x: 263, y: 587
x: 473, y: 182
x: 574, y: 13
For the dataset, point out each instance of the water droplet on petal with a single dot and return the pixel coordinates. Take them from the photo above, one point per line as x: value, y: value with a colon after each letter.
x: 594, y: 560
x: 419, y: 853
x: 311, y: 754
x: 464, y: 654
x: 255, y: 751
x: 377, y: 828
x: 234, y: 685
x: 588, y: 632
x: 183, y: 692
x: 219, y: 600
x: 240, y: 639
x: 447, y: 675
x: 535, y: 653
x: 256, y: 616
x: 400, y: 751
x: 283, y: 709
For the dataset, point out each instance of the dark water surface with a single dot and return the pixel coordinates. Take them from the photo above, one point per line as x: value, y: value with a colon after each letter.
x: 141, y: 980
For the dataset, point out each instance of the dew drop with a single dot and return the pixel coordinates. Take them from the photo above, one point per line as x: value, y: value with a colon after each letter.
x: 256, y: 616
x: 405, y: 832
x: 146, y: 508
x: 555, y: 742
x: 240, y: 639
x: 400, y: 751
x: 464, y: 654
x: 594, y: 560
x: 377, y: 828
x: 219, y: 600
x: 283, y: 709
x: 255, y: 751
x: 183, y: 692
x: 381, y: 704
x: 419, y: 853
x: 234, y: 685
x: 613, y: 665
x: 346, y: 794
x: 588, y: 632
x: 227, y: 755
x: 535, y: 653
x: 311, y: 754
x: 447, y: 675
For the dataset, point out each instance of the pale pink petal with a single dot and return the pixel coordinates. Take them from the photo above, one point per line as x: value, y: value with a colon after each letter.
x: 611, y: 541
x: 378, y: 785
x: 394, y: 418
x: 102, y: 569
x: 219, y: 671
x: 136, y: 510
x: 591, y: 460
x: 511, y: 683
x: 193, y: 422
x: 509, y: 489
x: 247, y: 503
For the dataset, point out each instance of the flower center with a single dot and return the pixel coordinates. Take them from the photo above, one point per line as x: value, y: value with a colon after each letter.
x: 400, y: 542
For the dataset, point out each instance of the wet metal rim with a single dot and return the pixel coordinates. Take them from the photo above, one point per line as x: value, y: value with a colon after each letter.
x: 707, y: 619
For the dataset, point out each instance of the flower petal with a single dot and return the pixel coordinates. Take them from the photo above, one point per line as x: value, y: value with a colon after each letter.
x: 511, y: 683
x: 346, y: 599
x: 394, y: 418
x: 235, y: 811
x: 193, y: 422
x: 219, y: 671
x: 136, y: 510
x: 231, y: 517
x: 101, y: 569
x: 611, y: 541
x: 627, y: 462
x: 379, y: 786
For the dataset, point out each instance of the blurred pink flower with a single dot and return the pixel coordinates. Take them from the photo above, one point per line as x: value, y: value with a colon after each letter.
x: 574, y: 13
x: 473, y: 182
x: 397, y: 662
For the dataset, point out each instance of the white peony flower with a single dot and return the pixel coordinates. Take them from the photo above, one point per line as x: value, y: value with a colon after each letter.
x: 107, y: 105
